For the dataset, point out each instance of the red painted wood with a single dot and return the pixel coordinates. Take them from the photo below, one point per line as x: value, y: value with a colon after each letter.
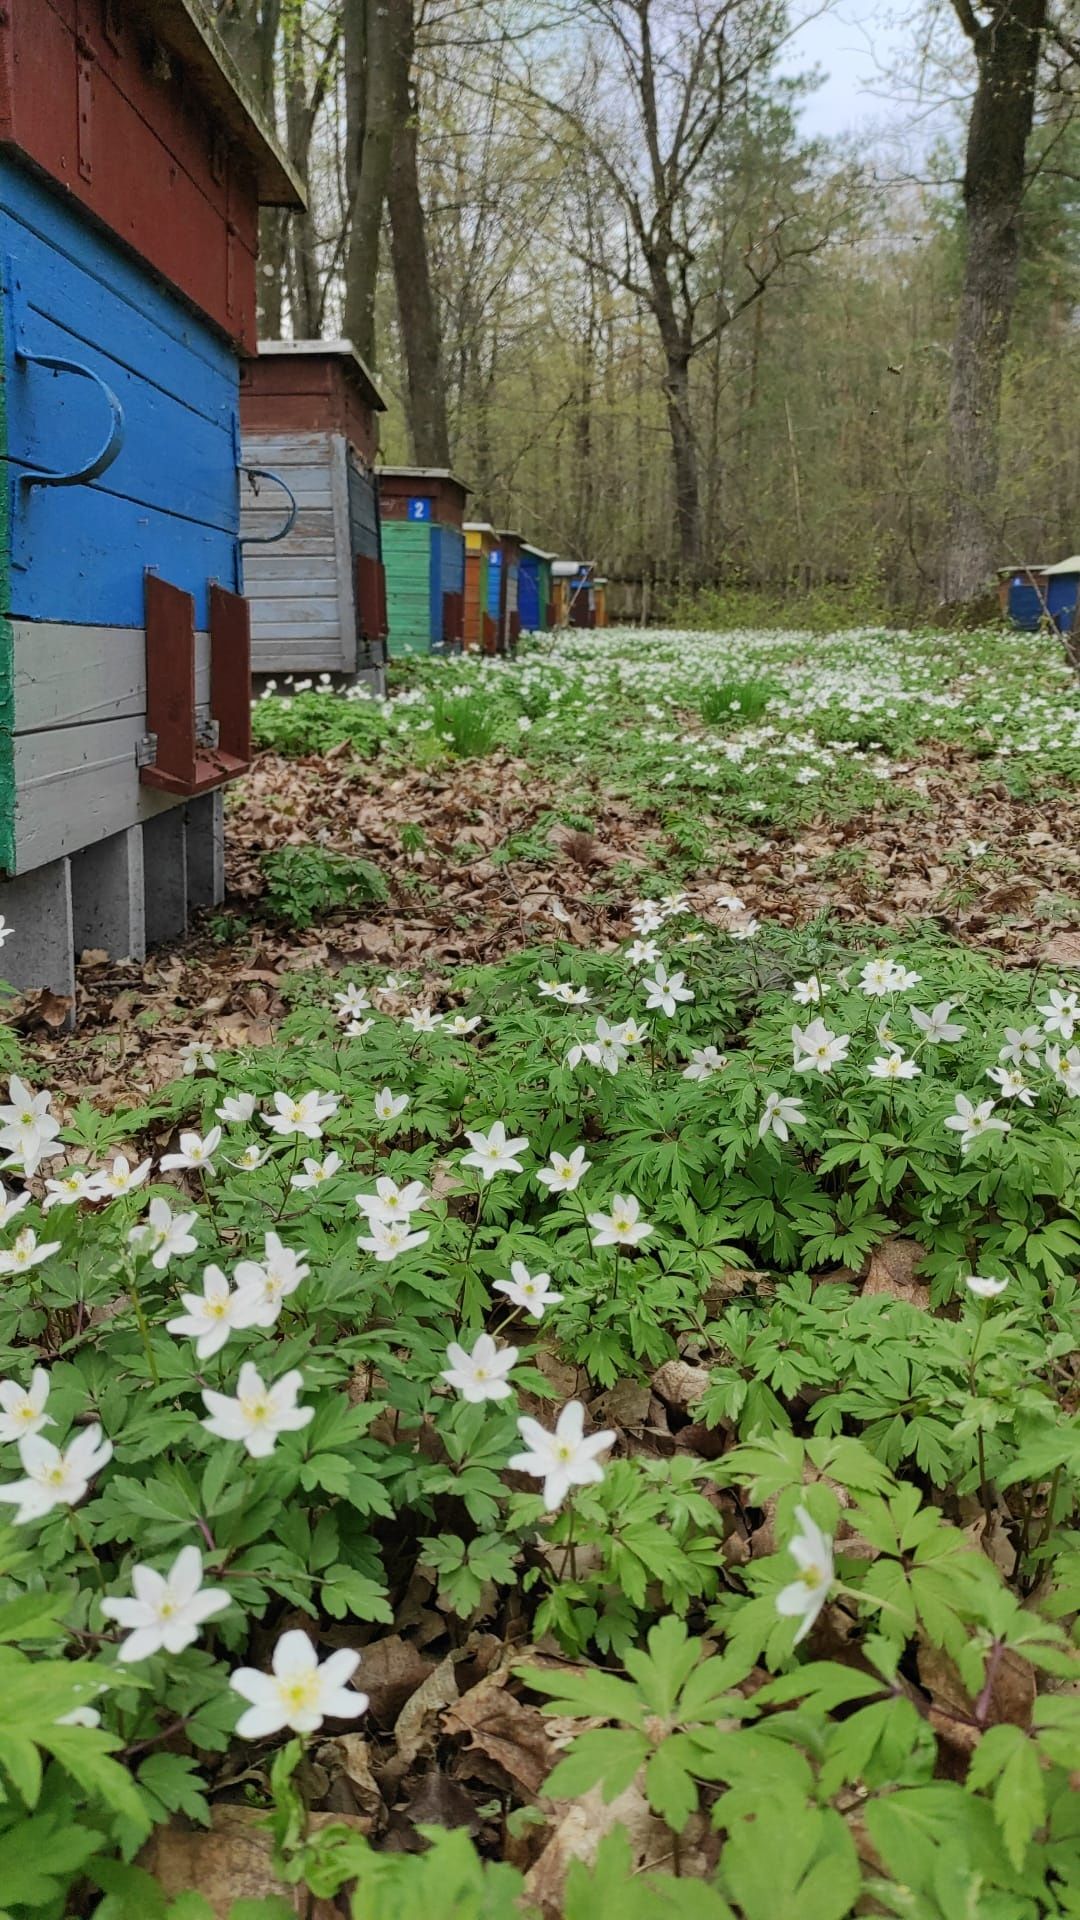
x: 170, y: 685
x: 181, y: 766
x: 120, y: 128
x: 310, y: 393
x: 453, y: 618
x: 370, y: 598
x: 230, y: 676
x: 448, y: 497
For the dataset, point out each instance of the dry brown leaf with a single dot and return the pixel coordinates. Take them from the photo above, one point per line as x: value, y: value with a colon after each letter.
x: 679, y: 1385
x: 415, y: 1726
x: 233, y: 1860
x: 581, y: 1827
x: 504, y: 1730
x: 892, y: 1270
x: 392, y: 1670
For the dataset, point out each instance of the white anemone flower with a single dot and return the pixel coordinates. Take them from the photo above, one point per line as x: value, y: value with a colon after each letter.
x: 666, y: 991
x: 197, y: 1057
x: 532, y: 1292
x: 894, y: 1066
x: 972, y: 1120
x: 258, y: 1413
x: 983, y: 1287
x: 481, y: 1374
x: 351, y: 1002
x: 236, y: 1110
x: 27, y: 1129
x: 563, y: 1459
x: 163, y: 1234
x: 704, y: 1062
x: 463, y: 1023
x: 817, y: 1049
x: 388, y: 1238
x: 812, y: 1552
x: 26, y: 1252
x: 643, y: 953
x: 391, y: 1202
x: 1022, y: 1046
x: 211, y: 1316
x: 492, y: 1152
x: 250, y: 1158
x: 55, y: 1477
x: 299, y: 1692
x: 195, y: 1152
x: 121, y: 1177
x: 388, y: 1105
x: 1060, y: 1013
x: 67, y: 1189
x: 12, y: 1204
x: 623, y: 1226
x: 167, y: 1611
x: 808, y: 992
x: 422, y: 1020
x: 778, y: 1114
x: 266, y: 1284
x: 22, y: 1409
x: 937, y: 1027
x: 305, y: 1117
x: 566, y: 1171
x: 316, y: 1172
x: 1012, y: 1084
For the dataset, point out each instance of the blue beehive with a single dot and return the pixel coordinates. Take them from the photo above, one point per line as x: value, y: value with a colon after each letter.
x: 132, y: 169
x: 1041, y: 596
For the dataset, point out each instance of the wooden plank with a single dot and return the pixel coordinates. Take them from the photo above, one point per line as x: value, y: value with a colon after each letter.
x: 348, y: 610
x: 299, y: 611
x: 147, y: 154
x: 76, y: 785
x: 65, y: 676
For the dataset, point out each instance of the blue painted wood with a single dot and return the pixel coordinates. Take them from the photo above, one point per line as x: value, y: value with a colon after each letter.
x: 529, y: 592
x: 1061, y: 599
x: 435, y: 585
x: 452, y: 551
x: 494, y: 582
x: 419, y: 508
x: 170, y: 500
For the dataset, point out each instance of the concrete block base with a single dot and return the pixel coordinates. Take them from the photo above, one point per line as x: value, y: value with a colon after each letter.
x: 41, y: 950
x: 165, y: 872
x: 107, y: 896
x: 204, y: 838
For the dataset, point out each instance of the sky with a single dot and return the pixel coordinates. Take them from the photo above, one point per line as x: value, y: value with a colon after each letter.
x: 858, y: 44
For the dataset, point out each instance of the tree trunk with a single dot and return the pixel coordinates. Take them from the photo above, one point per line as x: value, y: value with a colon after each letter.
x: 1007, y: 49
x: 417, y: 314
x: 684, y: 460
x: 371, y: 27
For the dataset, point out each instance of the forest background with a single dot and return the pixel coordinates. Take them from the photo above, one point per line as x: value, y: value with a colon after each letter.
x: 604, y: 273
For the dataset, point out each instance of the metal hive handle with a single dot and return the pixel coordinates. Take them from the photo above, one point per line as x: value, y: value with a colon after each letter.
x: 269, y: 539
x: 99, y: 462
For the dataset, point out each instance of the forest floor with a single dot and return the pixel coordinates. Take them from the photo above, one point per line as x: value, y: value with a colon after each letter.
x: 987, y: 849
x: 613, y: 895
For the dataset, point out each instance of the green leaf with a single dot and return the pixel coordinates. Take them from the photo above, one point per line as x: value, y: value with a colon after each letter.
x: 83, y: 1752
x: 670, y: 1787
x: 607, y: 1755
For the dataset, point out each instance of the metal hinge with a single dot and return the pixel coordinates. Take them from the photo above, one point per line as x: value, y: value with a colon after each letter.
x: 146, y: 750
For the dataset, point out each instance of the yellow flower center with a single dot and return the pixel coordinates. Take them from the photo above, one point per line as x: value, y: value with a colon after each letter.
x: 54, y: 1476
x: 564, y: 1453
x: 255, y: 1410
x: 301, y: 1692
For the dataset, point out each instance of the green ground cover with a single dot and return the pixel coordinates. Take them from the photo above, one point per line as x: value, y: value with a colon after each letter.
x: 671, y: 1339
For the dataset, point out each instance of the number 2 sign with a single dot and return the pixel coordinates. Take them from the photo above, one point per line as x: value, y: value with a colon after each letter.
x: 419, y: 509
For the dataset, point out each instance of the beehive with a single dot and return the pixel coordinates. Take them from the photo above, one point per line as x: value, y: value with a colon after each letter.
x: 309, y: 411
x: 132, y: 168
x: 423, y: 511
